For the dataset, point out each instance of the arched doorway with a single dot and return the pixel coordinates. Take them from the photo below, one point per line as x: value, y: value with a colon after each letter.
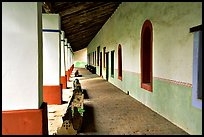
x: 119, y: 62
x: 146, y: 56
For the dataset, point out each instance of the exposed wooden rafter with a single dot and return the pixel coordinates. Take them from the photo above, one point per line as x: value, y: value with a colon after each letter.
x: 81, y: 21
x: 47, y: 6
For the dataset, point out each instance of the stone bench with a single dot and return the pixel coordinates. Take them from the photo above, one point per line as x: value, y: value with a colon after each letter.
x: 91, y: 68
x: 72, y: 120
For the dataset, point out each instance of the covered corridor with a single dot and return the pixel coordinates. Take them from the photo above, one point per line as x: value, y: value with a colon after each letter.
x: 145, y: 68
x: 110, y: 111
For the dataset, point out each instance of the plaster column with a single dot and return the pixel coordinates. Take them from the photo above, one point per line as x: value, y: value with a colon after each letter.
x: 66, y: 58
x: 69, y: 55
x: 66, y: 54
x: 63, y: 69
x: 23, y: 109
x: 52, y: 91
x: 72, y: 54
x: 69, y: 71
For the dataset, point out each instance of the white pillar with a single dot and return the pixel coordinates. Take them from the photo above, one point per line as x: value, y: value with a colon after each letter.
x: 52, y: 89
x: 66, y: 55
x: 63, y: 69
x: 21, y: 55
x: 51, y: 49
x: 69, y: 55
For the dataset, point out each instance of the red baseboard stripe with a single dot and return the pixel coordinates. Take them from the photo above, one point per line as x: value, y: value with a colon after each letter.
x: 52, y: 94
x: 68, y: 75
x: 64, y: 82
x: 25, y: 122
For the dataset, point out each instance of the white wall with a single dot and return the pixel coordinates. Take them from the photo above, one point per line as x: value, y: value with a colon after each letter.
x: 69, y: 55
x: 80, y: 58
x: 51, y: 50
x: 172, y: 56
x: 172, y: 20
x: 80, y: 55
x: 62, y: 55
x: 21, y: 55
x: 66, y: 54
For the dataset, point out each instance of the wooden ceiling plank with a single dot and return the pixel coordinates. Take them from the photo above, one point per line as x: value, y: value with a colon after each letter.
x: 81, y: 21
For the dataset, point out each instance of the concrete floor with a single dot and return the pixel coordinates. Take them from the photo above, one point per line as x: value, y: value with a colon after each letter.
x: 109, y: 111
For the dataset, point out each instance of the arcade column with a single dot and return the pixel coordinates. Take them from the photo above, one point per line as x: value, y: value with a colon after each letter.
x: 63, y: 69
x: 66, y: 58
x: 52, y: 90
x: 23, y: 109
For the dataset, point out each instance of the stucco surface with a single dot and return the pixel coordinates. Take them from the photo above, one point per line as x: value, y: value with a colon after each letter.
x: 51, y: 50
x: 172, y: 56
x: 21, y: 55
x: 172, y: 42
x: 80, y: 58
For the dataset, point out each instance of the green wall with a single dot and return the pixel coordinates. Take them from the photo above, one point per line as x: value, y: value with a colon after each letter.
x: 170, y: 100
x: 79, y: 64
x: 172, y: 56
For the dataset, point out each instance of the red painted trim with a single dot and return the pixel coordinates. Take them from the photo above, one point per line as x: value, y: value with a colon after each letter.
x: 119, y: 62
x: 104, y: 59
x: 63, y: 81
x: 52, y: 94
x: 147, y: 24
x: 146, y: 86
x: 119, y: 77
x: 25, y: 122
x: 174, y: 82
x: 68, y: 74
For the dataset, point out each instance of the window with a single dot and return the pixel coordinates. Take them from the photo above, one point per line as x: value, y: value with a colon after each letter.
x: 119, y: 62
x: 112, y: 63
x: 146, y: 56
x: 197, y: 67
x: 95, y: 59
x: 88, y: 58
x: 98, y: 52
x: 104, y: 59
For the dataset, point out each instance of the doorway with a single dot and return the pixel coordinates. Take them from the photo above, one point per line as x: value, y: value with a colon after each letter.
x: 107, y: 66
x: 100, y: 63
x: 146, y: 55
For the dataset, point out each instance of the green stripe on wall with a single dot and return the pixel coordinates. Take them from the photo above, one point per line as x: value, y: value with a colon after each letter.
x: 170, y: 100
x: 80, y: 64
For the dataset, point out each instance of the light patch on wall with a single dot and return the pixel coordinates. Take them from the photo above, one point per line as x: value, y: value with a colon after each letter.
x: 80, y: 58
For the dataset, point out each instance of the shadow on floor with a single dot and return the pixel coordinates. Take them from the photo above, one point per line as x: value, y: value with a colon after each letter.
x: 85, y: 77
x: 64, y: 102
x: 78, y: 76
x: 86, y: 96
x: 69, y: 87
x: 88, y: 124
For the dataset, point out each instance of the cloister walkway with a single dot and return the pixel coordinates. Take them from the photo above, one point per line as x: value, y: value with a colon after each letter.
x: 110, y: 111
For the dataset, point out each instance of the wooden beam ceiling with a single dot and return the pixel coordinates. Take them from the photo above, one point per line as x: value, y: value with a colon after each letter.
x: 81, y: 21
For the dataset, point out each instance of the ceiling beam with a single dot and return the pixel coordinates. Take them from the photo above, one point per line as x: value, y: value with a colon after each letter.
x: 47, y: 6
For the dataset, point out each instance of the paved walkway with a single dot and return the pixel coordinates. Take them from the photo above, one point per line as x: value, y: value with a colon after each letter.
x: 109, y: 111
